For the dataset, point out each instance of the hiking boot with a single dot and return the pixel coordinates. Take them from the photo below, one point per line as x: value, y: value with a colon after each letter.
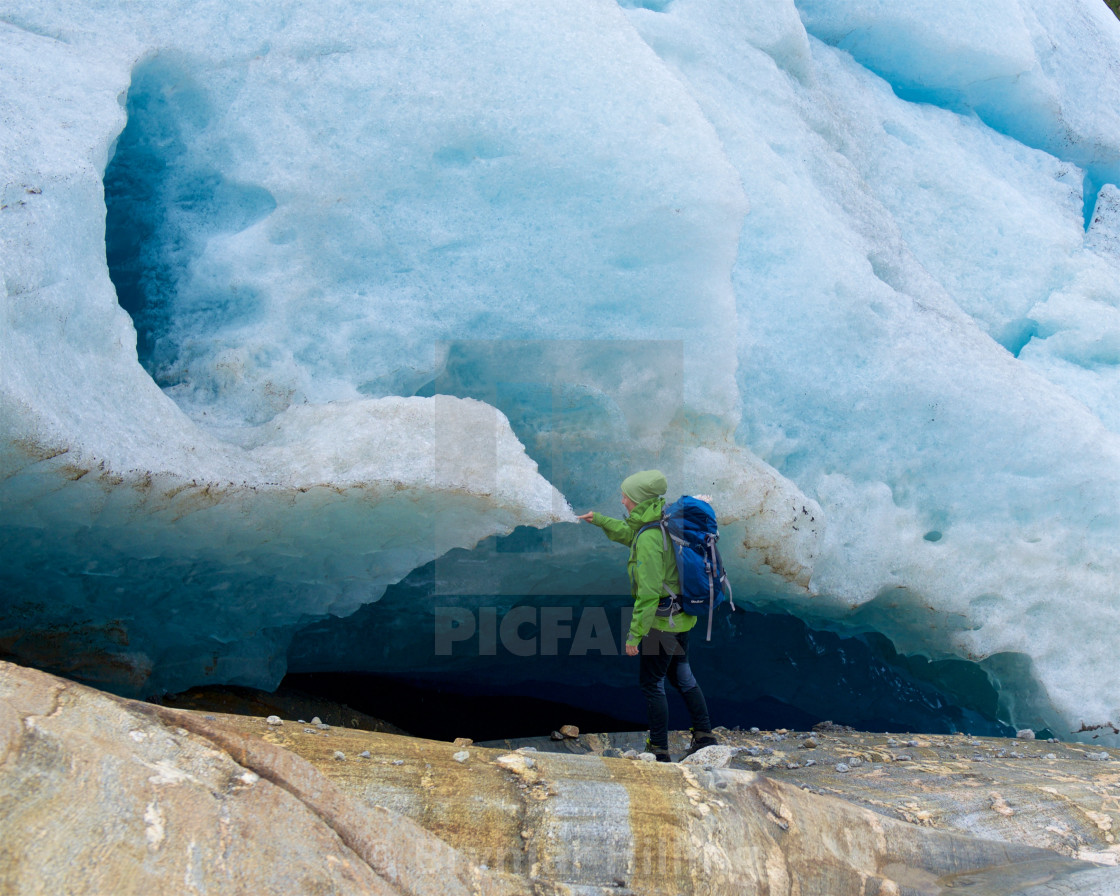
x: 661, y: 754
x: 701, y: 739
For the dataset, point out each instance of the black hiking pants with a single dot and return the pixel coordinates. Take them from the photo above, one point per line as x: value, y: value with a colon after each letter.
x: 664, y: 655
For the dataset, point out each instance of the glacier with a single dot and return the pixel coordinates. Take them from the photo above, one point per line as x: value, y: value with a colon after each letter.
x: 301, y: 300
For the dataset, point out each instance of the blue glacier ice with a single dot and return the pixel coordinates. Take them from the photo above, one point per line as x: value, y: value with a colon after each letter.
x: 301, y: 299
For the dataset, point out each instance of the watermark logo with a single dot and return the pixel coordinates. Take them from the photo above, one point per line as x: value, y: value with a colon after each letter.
x: 530, y: 631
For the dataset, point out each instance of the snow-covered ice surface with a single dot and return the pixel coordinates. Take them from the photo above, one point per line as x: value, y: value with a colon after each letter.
x: 401, y: 278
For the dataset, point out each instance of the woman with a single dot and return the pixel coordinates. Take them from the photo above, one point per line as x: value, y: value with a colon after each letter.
x: 662, y: 636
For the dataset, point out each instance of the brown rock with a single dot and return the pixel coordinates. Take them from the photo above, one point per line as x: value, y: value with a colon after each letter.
x: 108, y: 796
x: 102, y: 795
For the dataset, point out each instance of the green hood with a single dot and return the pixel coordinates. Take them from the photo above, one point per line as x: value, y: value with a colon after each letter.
x: 644, y: 486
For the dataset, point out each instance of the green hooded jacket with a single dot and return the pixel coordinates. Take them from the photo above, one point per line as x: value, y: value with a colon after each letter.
x: 651, y: 568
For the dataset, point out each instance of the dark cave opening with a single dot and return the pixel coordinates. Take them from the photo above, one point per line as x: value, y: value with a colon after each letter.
x: 765, y: 670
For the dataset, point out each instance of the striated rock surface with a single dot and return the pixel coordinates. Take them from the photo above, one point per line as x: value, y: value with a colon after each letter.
x: 104, y: 795
x: 100, y: 795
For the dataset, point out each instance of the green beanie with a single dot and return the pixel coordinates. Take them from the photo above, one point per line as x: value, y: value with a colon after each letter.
x: 644, y: 485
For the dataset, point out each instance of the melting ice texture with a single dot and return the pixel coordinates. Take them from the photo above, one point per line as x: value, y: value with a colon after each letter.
x: 298, y: 298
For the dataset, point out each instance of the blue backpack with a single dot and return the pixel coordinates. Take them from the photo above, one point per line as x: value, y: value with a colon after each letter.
x: 689, y: 524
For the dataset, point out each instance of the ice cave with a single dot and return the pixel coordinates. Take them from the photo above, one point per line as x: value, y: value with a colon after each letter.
x: 322, y: 321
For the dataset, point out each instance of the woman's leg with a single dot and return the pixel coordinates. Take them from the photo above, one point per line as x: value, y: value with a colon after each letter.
x: 655, y: 657
x: 679, y: 673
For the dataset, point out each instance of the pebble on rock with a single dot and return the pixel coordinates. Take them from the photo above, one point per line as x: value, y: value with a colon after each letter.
x: 461, y: 756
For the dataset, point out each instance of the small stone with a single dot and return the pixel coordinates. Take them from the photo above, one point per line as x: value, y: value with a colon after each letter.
x: 556, y: 735
x: 855, y: 761
x: 1049, y: 756
x: 715, y: 756
x: 302, y: 722
x: 316, y: 721
x: 338, y: 754
x: 462, y: 742
x: 754, y: 751
x: 754, y: 731
x: 323, y: 726
x: 526, y: 749
x: 842, y: 767
x: 464, y: 755
x: 274, y: 720
x: 1025, y: 734
x: 911, y: 743
x: 308, y: 730
x: 630, y: 754
x: 904, y: 757
x: 570, y: 731
x: 809, y: 742
x: 364, y: 754
x: 809, y: 762
x: 398, y: 762
x: 1098, y: 757
x: 647, y: 757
